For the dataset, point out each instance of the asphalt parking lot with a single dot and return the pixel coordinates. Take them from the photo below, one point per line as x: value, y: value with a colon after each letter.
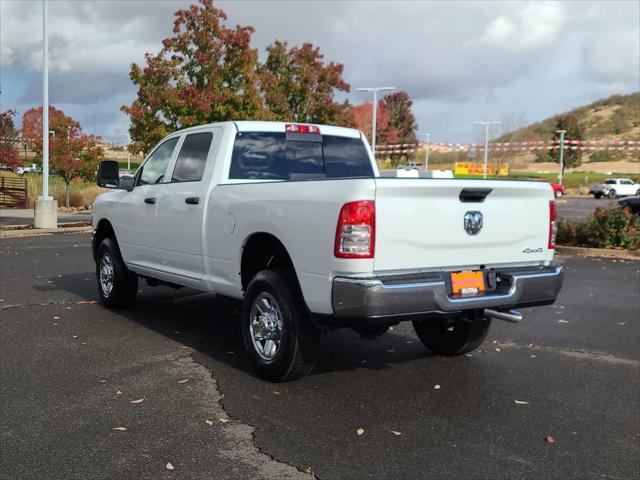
x: 72, y: 372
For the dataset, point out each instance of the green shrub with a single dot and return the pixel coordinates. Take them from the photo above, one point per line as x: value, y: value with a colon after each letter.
x: 614, y: 227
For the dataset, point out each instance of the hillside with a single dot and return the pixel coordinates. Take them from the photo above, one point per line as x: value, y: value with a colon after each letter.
x: 613, y: 118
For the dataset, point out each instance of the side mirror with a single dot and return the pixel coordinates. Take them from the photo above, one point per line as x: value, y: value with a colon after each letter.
x: 126, y: 183
x: 108, y: 174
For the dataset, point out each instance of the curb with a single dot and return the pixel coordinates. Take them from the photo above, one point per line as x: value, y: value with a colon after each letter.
x: 33, y: 232
x: 596, y: 252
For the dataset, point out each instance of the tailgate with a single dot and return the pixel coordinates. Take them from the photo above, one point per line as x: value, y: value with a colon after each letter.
x: 420, y: 223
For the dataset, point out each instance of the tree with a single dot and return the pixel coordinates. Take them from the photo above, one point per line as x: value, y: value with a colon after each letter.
x: 362, y: 116
x: 401, y: 118
x: 571, y: 158
x: 298, y: 86
x: 8, y: 138
x: 72, y: 154
x: 206, y: 72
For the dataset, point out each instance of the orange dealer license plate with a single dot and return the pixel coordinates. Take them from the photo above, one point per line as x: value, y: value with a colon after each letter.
x: 470, y: 282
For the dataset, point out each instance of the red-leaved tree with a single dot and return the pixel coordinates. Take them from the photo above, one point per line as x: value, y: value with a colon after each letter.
x: 8, y: 140
x: 72, y: 154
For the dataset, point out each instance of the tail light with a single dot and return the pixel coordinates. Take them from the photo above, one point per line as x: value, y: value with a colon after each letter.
x: 356, y: 231
x: 298, y: 128
x: 553, y: 225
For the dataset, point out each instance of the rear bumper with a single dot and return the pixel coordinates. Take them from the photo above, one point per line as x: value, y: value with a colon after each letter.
x: 410, y: 295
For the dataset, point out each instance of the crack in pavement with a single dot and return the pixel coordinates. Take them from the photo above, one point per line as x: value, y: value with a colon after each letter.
x: 575, y: 353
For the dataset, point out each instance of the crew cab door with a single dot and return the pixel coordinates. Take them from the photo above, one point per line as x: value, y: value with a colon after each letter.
x: 180, y: 208
x: 138, y: 232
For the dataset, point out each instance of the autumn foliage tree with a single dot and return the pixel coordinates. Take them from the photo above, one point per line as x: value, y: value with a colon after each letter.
x: 8, y: 139
x: 72, y: 154
x: 362, y: 116
x: 207, y: 72
x: 298, y: 85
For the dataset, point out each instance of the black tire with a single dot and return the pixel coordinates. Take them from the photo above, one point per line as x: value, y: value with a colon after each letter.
x: 124, y: 283
x: 638, y: 193
x: 611, y: 194
x: 299, y: 339
x: 597, y: 195
x: 453, y: 335
x: 558, y: 193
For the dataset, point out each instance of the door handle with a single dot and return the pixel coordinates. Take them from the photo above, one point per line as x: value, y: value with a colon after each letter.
x: 192, y: 200
x: 150, y: 200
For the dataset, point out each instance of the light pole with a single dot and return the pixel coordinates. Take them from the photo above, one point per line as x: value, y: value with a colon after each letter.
x: 561, y: 132
x: 426, y: 159
x: 128, y: 137
x: 375, y: 91
x: 46, y: 209
x: 486, y: 142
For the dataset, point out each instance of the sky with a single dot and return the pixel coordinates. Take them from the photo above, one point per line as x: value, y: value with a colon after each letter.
x: 517, y: 62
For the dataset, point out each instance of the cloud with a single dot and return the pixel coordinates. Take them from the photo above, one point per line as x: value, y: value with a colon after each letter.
x: 460, y: 61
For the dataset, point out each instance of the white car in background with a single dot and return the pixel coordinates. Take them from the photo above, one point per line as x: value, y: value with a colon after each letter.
x: 615, y: 187
x: 30, y: 169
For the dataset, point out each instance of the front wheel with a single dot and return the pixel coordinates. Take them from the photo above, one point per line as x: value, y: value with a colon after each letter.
x: 598, y: 196
x: 558, y: 193
x: 278, y: 333
x: 612, y: 194
x: 453, y: 335
x: 117, y: 285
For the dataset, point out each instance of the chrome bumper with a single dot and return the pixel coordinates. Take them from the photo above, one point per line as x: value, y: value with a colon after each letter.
x: 389, y: 296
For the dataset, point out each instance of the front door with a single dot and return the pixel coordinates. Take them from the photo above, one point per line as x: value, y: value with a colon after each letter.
x: 181, y: 206
x: 138, y: 230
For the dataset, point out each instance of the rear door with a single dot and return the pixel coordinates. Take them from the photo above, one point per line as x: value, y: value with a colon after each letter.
x: 420, y: 223
x: 180, y: 207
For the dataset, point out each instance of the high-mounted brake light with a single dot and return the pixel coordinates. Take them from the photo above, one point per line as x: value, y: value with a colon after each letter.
x: 356, y: 230
x: 298, y: 128
x: 553, y: 225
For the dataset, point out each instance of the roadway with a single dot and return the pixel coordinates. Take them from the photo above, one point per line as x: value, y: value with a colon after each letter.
x: 69, y: 370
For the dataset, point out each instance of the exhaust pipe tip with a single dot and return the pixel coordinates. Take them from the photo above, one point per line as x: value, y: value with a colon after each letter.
x: 511, y: 316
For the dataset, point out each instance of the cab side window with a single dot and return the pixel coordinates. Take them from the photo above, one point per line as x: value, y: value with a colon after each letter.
x: 192, y: 158
x: 155, y: 166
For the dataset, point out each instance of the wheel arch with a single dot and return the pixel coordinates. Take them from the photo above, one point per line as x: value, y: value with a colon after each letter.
x: 103, y: 230
x: 262, y: 250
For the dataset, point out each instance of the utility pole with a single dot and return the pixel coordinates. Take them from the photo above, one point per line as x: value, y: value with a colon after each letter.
x: 46, y: 209
x: 561, y: 132
x: 486, y: 142
x: 375, y: 91
x: 426, y: 158
x: 128, y: 137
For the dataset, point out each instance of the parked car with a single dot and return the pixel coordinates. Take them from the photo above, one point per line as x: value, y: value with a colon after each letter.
x: 632, y: 203
x: 295, y: 222
x: 30, y: 169
x: 615, y: 187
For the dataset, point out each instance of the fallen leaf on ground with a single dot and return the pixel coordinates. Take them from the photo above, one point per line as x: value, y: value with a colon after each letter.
x: 275, y: 392
x: 56, y: 317
x: 498, y: 350
x: 103, y: 381
x: 550, y: 439
x: 563, y: 321
x: 120, y: 429
x: 85, y: 302
x: 397, y: 434
x: 183, y: 381
x: 208, y: 422
x: 140, y: 400
x: 437, y: 387
x: 360, y: 432
x: 74, y: 336
x: 521, y: 402
x: 168, y: 466
x: 223, y: 420
x: 118, y: 392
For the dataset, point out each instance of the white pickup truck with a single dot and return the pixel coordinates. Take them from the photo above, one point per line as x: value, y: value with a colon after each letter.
x: 615, y: 187
x: 295, y: 221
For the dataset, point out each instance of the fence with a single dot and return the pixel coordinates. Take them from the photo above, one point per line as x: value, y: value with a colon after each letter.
x: 13, y: 192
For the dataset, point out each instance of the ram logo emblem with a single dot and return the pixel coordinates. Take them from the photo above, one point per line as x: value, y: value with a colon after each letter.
x: 473, y: 222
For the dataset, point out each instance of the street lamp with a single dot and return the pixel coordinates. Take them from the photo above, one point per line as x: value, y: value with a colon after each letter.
x: 375, y: 91
x: 561, y: 132
x: 46, y: 209
x: 128, y: 137
x: 486, y: 142
x: 426, y: 160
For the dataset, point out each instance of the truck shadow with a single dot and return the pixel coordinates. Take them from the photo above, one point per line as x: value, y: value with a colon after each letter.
x: 201, y: 321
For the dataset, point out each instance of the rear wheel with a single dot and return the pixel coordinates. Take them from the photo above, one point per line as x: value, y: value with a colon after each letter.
x: 638, y: 193
x: 117, y: 285
x: 612, y: 194
x: 453, y: 335
x: 558, y: 193
x: 278, y: 333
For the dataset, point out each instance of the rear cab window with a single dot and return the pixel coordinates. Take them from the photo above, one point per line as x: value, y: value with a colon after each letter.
x: 297, y: 156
